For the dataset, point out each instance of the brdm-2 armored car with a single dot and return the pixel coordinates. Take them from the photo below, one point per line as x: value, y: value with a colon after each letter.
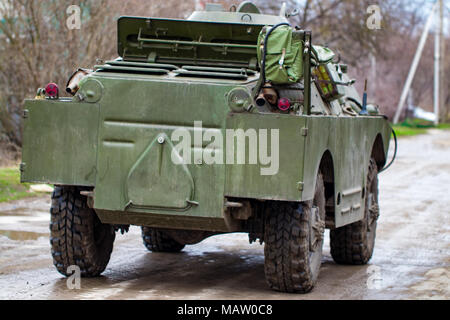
x: 229, y: 121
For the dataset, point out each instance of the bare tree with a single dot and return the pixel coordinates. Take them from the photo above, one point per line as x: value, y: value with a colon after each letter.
x: 37, y: 47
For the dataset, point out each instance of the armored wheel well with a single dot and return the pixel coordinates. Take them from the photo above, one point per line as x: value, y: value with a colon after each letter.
x: 378, y: 152
x: 326, y: 167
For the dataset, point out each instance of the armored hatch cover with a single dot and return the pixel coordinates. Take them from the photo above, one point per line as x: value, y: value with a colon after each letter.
x: 188, y: 42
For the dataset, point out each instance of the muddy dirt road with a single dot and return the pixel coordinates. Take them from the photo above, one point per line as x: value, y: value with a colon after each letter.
x: 411, y: 259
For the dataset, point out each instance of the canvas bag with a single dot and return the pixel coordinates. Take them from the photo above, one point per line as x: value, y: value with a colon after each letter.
x: 284, y: 59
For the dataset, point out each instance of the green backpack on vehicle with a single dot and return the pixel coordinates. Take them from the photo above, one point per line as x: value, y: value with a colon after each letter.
x: 284, y: 55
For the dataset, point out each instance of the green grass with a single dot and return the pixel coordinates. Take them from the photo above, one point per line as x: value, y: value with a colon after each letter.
x: 10, y: 186
x: 402, y: 131
x: 444, y: 126
x: 412, y: 127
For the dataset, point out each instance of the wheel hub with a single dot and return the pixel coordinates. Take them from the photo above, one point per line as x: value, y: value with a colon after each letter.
x: 317, y: 229
x: 373, y: 213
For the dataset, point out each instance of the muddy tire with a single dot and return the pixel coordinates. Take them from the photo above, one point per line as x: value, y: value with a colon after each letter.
x: 293, y: 242
x: 353, y: 244
x: 158, y: 241
x: 77, y: 236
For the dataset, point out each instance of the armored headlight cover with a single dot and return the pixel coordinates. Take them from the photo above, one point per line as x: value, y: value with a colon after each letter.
x: 240, y: 100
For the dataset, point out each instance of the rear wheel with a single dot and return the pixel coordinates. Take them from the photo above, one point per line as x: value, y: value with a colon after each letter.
x: 77, y: 236
x: 293, y: 242
x: 158, y: 241
x: 354, y: 243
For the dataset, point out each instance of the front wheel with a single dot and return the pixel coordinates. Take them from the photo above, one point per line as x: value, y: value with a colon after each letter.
x: 293, y: 242
x: 77, y: 236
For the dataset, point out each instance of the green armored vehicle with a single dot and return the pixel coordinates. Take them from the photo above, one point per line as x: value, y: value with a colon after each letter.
x: 229, y: 121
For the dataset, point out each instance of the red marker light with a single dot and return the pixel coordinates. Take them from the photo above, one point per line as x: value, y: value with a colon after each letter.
x: 284, y: 104
x: 52, y: 90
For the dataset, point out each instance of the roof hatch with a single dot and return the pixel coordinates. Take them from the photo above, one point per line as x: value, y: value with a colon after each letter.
x: 184, y: 42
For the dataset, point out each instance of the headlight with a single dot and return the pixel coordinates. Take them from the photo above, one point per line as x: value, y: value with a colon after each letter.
x: 240, y: 100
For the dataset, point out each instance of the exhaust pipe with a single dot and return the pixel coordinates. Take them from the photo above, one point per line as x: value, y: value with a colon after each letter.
x: 268, y: 94
x: 261, y: 100
x: 74, y: 81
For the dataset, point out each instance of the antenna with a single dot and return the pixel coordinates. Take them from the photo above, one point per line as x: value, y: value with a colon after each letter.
x: 364, y: 105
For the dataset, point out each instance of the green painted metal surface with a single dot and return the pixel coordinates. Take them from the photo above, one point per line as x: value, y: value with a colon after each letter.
x: 60, y: 142
x: 134, y: 113
x: 191, y: 42
x: 350, y: 141
x: 117, y: 134
x: 246, y: 180
x: 150, y: 183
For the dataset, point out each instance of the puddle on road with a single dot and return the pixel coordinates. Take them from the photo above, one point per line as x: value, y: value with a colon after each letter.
x: 22, y: 235
x: 14, y: 212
